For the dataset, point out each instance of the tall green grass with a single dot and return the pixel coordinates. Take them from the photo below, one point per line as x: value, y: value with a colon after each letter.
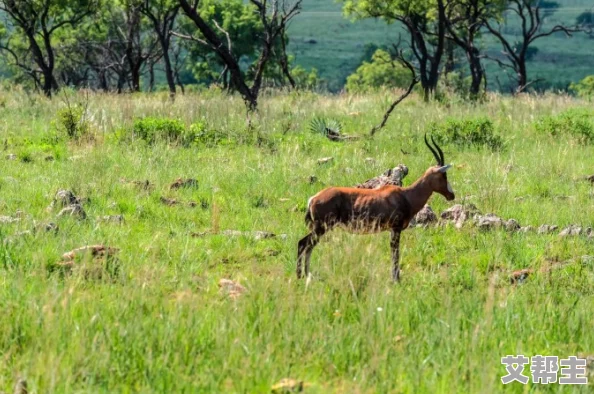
x: 162, y: 325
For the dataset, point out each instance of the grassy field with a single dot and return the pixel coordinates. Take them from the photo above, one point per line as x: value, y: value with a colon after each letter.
x: 160, y: 323
x: 339, y: 44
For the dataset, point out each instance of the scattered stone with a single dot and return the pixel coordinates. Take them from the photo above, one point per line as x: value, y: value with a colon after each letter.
x: 184, y: 183
x: 325, y: 160
x: 271, y: 252
x: 460, y: 214
x: 199, y: 234
x: 11, y: 156
x: 547, y: 229
x: 8, y: 220
x: 512, y: 225
x: 520, y: 276
x: 526, y: 229
x: 392, y: 176
x: 231, y: 288
x: 94, y: 250
x: 104, y: 262
x: 488, y: 221
x: 192, y: 204
x: 47, y: 227
x: 20, y: 387
x: 590, y: 178
x: 117, y: 219
x: 424, y: 217
x: 169, y: 201
x: 257, y: 235
x: 64, y: 198
x: 286, y: 386
x: 232, y: 233
x: 312, y: 179
x: 75, y: 210
x: 572, y: 229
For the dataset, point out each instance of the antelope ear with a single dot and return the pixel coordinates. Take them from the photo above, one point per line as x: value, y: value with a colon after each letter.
x: 444, y: 168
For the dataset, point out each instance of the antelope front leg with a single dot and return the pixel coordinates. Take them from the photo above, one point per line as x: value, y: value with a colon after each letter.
x: 395, y: 246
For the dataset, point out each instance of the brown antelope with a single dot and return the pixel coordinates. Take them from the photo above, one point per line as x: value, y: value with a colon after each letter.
x: 376, y: 210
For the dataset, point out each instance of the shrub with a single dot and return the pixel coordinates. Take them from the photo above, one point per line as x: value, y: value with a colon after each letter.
x: 584, y: 88
x: 576, y: 122
x: 467, y: 132
x: 208, y: 137
x: 381, y: 72
x: 72, y: 122
x: 171, y: 131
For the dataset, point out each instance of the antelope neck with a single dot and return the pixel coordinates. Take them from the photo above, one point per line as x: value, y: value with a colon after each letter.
x: 418, y: 194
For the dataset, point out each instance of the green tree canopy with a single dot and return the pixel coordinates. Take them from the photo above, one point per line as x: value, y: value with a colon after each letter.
x: 382, y: 71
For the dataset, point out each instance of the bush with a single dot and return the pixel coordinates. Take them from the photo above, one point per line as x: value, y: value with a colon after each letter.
x: 171, y: 131
x: 208, y: 137
x: 72, y: 122
x: 381, y: 72
x: 584, y: 88
x: 577, y: 123
x: 467, y: 132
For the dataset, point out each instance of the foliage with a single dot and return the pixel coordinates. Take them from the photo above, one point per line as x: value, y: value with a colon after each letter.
x: 171, y: 131
x: 577, y: 123
x: 381, y: 72
x: 584, y: 88
x: 307, y: 80
x: 72, y: 121
x: 467, y: 132
x: 210, y: 137
x: 324, y: 126
x: 240, y: 20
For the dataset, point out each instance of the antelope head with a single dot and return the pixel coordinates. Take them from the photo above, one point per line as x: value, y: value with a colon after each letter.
x: 437, y: 176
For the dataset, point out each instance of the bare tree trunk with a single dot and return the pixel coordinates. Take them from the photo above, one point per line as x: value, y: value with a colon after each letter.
x: 168, y: 68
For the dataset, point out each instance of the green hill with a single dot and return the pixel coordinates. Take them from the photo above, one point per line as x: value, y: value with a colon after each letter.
x: 322, y: 38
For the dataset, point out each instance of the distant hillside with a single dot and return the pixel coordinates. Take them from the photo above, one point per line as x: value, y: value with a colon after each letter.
x: 321, y: 37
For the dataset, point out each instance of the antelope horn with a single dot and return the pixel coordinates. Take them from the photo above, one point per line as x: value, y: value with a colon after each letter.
x: 432, y: 151
x: 439, y: 150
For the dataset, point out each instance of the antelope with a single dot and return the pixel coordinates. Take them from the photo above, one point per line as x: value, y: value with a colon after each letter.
x: 387, y: 208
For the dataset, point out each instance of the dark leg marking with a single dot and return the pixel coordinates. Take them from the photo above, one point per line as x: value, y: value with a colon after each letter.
x: 395, y: 246
x: 305, y: 248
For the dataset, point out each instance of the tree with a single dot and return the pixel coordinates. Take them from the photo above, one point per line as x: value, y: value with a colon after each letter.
x: 28, y: 39
x: 162, y: 14
x: 424, y: 21
x: 531, y: 14
x: 464, y: 21
x: 382, y: 71
x: 240, y: 22
x: 273, y: 16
